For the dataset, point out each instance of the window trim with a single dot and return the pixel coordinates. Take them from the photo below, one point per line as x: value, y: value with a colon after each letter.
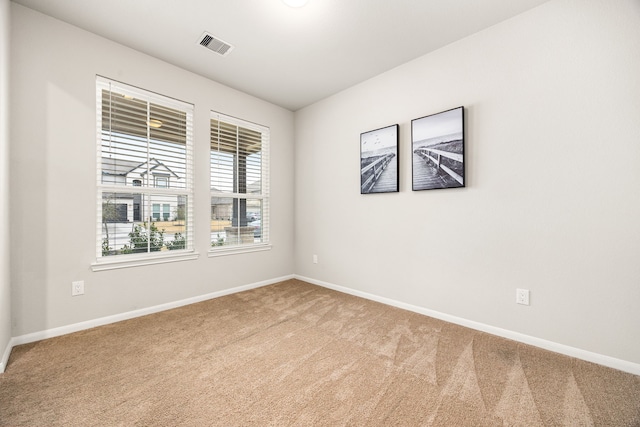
x: 264, y: 196
x: 149, y: 258
x: 239, y: 249
x: 137, y: 260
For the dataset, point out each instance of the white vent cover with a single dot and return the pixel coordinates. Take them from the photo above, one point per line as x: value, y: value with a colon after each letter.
x: 215, y: 44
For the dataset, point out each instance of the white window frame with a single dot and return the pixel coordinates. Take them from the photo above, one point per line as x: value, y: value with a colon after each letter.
x: 132, y: 260
x: 264, y: 197
x: 161, y: 179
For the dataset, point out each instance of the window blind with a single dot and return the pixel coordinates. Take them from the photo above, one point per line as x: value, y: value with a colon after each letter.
x: 239, y: 159
x: 145, y: 159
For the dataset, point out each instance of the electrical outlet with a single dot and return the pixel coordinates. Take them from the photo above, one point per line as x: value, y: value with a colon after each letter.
x: 315, y: 259
x: 522, y: 296
x: 77, y: 288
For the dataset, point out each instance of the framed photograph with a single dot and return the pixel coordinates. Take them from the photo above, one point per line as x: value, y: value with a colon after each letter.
x: 437, y: 146
x: 379, y: 166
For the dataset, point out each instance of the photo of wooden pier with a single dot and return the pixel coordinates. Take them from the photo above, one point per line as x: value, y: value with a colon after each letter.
x: 379, y: 161
x: 438, y: 150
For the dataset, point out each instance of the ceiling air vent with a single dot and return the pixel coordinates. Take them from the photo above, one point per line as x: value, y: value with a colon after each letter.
x: 215, y: 44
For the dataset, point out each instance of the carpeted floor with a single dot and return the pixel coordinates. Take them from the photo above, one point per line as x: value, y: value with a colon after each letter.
x: 294, y: 354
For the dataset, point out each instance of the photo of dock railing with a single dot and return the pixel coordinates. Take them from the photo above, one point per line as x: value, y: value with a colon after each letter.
x: 438, y: 150
x: 371, y: 174
x: 379, y: 160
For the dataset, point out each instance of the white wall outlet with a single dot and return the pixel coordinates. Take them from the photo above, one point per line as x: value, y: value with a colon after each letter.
x: 522, y: 296
x: 315, y: 259
x: 77, y: 288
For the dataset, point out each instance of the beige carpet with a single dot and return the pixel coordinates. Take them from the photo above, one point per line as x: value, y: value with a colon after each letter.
x: 293, y: 354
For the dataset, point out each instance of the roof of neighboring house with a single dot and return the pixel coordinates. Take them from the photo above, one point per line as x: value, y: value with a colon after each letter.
x: 117, y: 166
x: 158, y: 166
x: 125, y: 167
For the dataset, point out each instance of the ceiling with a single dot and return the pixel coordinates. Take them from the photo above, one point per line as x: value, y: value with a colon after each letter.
x: 290, y: 57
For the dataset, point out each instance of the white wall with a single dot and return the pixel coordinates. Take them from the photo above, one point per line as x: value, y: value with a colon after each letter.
x: 5, y: 294
x: 53, y: 70
x: 552, y: 201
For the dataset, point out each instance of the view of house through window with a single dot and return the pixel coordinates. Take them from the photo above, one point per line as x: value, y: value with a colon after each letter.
x: 239, y: 182
x: 145, y: 174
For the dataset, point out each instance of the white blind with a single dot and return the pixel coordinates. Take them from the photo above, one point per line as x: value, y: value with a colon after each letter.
x: 145, y: 178
x: 239, y: 181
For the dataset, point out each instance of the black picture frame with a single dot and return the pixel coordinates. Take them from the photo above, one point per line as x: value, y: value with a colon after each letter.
x: 437, y: 150
x: 379, y: 165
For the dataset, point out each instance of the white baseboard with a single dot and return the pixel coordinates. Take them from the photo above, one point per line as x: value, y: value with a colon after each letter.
x: 63, y: 330
x: 5, y: 356
x: 611, y: 362
x: 622, y: 365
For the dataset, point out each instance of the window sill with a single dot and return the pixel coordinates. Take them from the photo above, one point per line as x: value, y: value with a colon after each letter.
x: 240, y: 249
x: 136, y: 261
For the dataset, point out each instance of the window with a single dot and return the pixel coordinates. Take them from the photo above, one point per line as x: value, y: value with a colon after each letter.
x: 239, y: 184
x: 162, y: 181
x: 156, y: 211
x: 145, y: 185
